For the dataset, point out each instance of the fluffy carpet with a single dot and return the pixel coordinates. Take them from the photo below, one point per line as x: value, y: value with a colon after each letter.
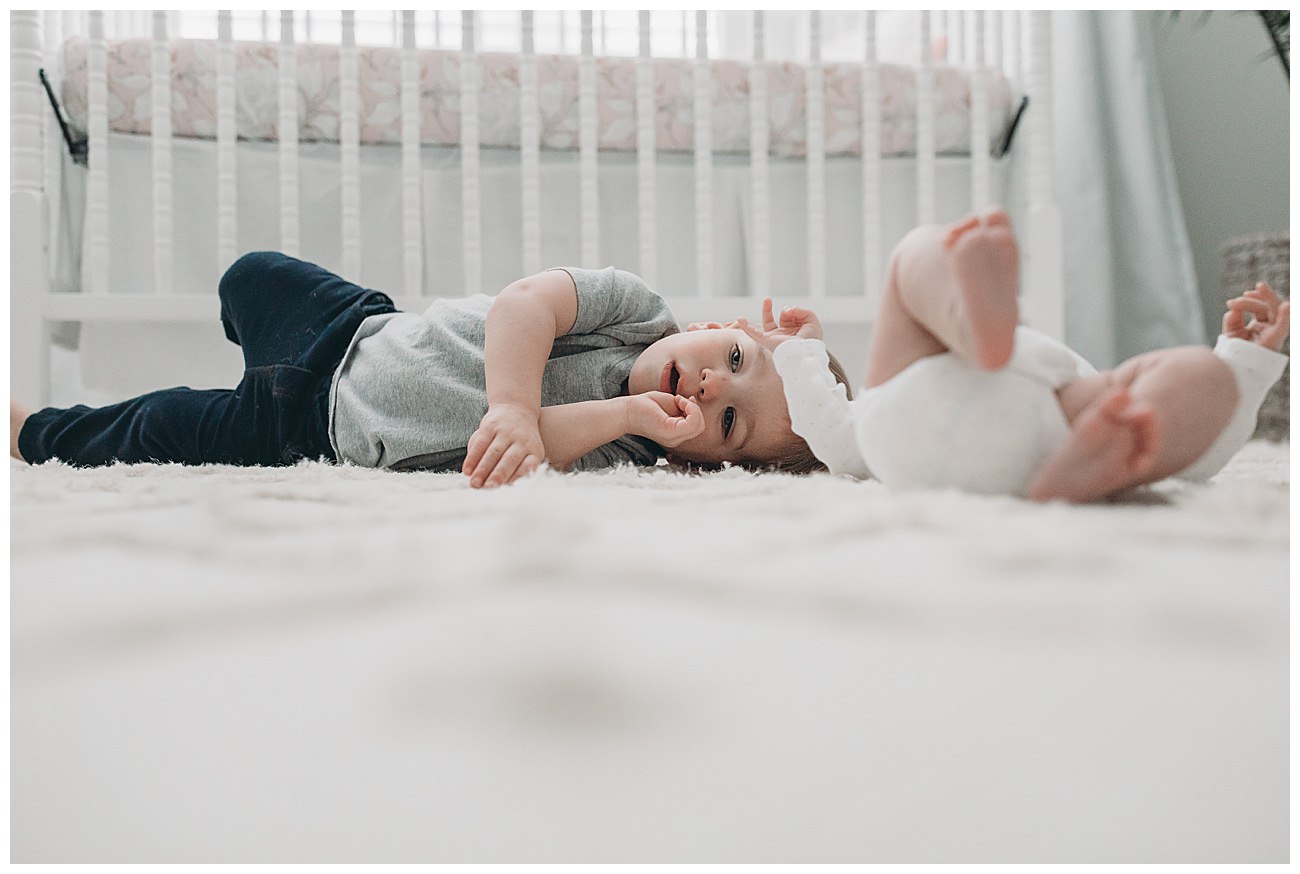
x: 327, y: 663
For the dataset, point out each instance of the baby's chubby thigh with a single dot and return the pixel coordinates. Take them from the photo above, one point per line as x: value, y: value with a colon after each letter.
x: 943, y: 423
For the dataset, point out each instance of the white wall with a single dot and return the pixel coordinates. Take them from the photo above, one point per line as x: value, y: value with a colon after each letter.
x: 1227, y: 102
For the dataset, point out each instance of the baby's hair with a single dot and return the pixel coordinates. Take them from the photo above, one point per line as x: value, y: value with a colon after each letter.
x: 797, y: 457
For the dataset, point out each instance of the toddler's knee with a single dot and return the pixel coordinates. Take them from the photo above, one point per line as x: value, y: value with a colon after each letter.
x: 248, y: 271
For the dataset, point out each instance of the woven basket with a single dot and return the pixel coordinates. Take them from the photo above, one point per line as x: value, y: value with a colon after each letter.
x: 1248, y: 260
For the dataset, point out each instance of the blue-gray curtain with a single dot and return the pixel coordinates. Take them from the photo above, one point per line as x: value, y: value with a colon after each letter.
x: 1130, y: 279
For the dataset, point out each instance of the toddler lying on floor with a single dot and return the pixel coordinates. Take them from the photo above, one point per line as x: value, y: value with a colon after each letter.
x: 575, y: 368
x: 958, y: 395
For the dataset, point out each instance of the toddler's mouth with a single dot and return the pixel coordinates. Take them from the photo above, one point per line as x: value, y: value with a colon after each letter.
x: 668, y: 378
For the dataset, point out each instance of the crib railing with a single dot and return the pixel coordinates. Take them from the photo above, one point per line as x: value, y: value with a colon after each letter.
x: 985, y: 41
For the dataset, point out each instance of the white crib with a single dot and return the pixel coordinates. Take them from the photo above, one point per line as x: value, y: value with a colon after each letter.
x: 142, y: 233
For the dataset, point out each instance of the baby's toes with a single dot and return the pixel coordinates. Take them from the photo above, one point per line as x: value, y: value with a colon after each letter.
x: 958, y: 229
x: 996, y: 216
x: 1144, y: 427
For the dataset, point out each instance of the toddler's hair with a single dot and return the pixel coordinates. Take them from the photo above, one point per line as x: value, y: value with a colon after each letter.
x: 797, y: 457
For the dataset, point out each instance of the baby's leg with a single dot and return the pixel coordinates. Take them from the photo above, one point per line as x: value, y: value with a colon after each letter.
x: 950, y: 287
x: 1148, y: 419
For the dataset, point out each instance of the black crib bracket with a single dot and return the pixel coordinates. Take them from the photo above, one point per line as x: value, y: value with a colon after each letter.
x: 80, y: 150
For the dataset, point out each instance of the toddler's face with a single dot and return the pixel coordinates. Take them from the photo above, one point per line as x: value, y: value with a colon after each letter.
x: 730, y: 373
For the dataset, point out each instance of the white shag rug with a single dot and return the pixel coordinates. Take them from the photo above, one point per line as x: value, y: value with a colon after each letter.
x: 335, y: 664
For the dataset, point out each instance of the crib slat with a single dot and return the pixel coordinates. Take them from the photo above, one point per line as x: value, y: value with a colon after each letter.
x: 227, y: 216
x: 1040, y: 97
x: 290, y: 233
x: 160, y: 142
x: 816, y: 161
x: 1044, y: 305
x: 412, y: 257
x: 469, y: 156
x: 587, y: 143
x: 981, y: 187
x: 29, y: 330
x: 956, y: 38
x: 350, y: 149
x: 645, y: 153
x: 52, y: 32
x: 27, y: 106
x: 529, y: 146
x: 758, y: 163
x: 1015, y: 49
x: 871, y: 219
x: 925, y: 156
x: 703, y: 159
x: 995, y: 40
x: 96, y: 280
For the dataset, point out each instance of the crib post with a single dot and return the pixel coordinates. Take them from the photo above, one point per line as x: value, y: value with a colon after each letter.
x: 28, y: 267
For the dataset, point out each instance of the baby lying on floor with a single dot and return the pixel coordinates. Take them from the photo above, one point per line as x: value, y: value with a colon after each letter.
x: 958, y: 395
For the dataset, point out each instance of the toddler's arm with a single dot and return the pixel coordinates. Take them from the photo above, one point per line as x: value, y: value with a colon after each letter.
x: 522, y: 325
x: 570, y: 431
x: 1251, y: 351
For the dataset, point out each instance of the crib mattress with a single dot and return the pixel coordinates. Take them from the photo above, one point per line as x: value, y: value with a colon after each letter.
x: 194, y: 99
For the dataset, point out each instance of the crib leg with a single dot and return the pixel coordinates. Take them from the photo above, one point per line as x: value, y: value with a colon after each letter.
x: 29, y: 333
x: 29, y: 361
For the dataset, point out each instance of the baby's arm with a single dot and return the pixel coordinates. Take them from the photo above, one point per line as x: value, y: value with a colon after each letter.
x: 1251, y: 350
x: 820, y: 409
x: 522, y: 325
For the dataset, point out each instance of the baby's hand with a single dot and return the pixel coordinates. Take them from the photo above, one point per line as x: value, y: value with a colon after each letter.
x: 795, y: 322
x: 506, y: 446
x: 669, y: 420
x: 1270, y: 317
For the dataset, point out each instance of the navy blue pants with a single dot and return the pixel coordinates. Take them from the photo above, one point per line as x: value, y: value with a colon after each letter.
x: 293, y: 320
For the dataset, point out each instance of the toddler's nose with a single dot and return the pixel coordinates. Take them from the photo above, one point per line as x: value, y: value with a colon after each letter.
x: 713, y: 385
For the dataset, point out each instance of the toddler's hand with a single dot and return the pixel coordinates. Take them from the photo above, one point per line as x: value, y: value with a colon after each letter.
x: 506, y: 446
x: 1270, y: 317
x: 669, y: 420
x: 795, y: 322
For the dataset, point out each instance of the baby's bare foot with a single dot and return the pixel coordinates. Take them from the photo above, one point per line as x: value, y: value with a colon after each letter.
x: 986, y: 261
x: 1112, y: 445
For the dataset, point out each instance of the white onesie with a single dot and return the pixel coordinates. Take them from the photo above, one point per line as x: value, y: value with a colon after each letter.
x: 943, y: 423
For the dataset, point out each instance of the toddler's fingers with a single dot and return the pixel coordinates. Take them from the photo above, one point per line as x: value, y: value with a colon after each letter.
x: 769, y: 323
x: 488, y: 464
x: 478, y: 442
x: 694, y: 423
x: 508, y: 468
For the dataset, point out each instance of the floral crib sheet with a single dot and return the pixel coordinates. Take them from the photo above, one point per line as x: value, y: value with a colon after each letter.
x: 194, y: 99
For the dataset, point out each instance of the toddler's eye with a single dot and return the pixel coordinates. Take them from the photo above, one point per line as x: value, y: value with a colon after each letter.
x: 735, y: 358
x: 728, y: 419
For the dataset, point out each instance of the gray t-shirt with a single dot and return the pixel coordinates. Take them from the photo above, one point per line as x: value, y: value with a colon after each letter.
x: 410, y: 390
